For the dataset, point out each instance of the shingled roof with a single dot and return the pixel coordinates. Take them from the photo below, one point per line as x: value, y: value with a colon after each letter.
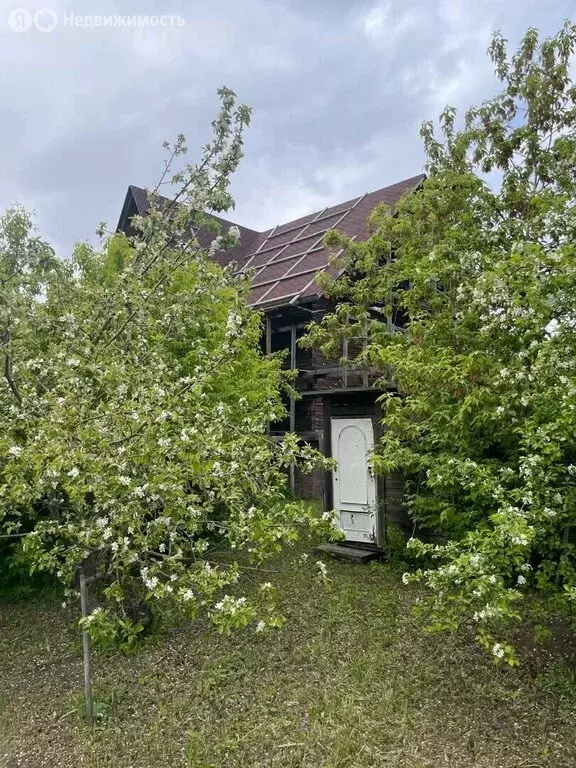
x: 286, y: 259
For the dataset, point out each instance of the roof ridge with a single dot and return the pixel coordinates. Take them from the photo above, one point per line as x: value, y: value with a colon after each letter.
x: 269, y: 231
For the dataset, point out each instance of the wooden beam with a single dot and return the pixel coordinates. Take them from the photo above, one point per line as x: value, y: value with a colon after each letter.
x: 286, y: 328
x: 335, y: 391
x: 381, y: 484
x: 268, y: 318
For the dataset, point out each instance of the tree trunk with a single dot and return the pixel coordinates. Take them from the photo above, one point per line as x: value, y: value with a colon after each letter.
x: 86, y: 649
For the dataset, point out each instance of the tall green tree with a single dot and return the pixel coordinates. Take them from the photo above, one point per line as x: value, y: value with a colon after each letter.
x: 134, y: 408
x: 479, y: 389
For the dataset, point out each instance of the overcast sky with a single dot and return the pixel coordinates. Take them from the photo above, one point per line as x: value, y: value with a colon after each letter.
x: 338, y: 87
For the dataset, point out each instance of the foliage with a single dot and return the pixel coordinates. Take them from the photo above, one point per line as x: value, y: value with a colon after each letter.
x: 25, y: 263
x: 479, y: 388
x: 16, y: 581
x: 109, y: 632
x: 398, y: 554
x: 135, y: 404
x: 561, y: 680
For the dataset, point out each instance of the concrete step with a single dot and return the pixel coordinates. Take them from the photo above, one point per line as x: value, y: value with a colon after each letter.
x: 344, y: 552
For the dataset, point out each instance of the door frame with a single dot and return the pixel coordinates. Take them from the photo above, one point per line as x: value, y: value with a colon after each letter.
x: 374, y: 535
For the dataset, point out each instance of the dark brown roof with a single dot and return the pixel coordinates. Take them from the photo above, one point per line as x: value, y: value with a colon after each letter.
x: 137, y: 203
x: 287, y: 258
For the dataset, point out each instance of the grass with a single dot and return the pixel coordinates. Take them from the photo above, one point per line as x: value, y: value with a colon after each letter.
x: 350, y: 682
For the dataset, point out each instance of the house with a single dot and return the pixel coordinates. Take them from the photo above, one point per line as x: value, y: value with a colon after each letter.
x: 337, y: 411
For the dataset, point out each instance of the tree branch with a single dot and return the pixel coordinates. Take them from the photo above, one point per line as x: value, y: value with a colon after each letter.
x: 9, y: 379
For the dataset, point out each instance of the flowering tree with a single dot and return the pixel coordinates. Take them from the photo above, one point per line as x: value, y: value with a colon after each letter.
x: 479, y: 266
x: 134, y: 409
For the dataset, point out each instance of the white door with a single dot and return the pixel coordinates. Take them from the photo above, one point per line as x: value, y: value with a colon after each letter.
x: 354, y: 486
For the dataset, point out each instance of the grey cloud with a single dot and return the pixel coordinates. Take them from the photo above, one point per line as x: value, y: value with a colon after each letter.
x: 338, y: 88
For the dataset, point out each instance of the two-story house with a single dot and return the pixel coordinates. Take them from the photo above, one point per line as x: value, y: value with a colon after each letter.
x: 337, y: 411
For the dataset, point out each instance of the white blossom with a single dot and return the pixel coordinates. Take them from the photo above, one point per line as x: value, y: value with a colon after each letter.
x: 498, y: 650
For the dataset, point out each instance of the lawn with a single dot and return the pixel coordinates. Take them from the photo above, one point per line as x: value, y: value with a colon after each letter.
x: 350, y: 682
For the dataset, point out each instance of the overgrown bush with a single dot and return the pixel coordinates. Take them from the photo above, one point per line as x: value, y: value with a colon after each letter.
x: 480, y: 387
